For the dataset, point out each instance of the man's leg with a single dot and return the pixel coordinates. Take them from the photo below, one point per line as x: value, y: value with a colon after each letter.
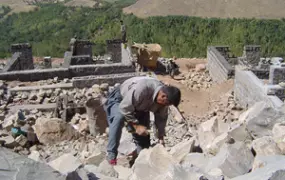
x: 116, y: 123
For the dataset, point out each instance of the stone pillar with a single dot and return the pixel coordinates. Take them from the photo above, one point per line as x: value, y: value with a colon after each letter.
x: 114, y: 48
x: 25, y: 61
x: 47, y: 62
x: 82, y: 47
x: 276, y: 74
x: 252, y: 54
x: 96, y: 116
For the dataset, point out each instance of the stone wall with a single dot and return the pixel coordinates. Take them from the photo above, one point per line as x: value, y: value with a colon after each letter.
x: 114, y: 49
x: 81, y: 60
x: 261, y: 73
x: 248, y: 90
x: 251, y: 55
x: 219, y: 68
x: 82, y: 47
x: 111, y: 79
x: 72, y: 71
x: 13, y: 63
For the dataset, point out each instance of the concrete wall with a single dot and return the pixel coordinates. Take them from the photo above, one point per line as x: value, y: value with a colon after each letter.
x: 81, y: 60
x: 248, y: 90
x: 219, y: 68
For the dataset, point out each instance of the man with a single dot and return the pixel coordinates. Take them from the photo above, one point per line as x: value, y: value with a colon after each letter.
x: 131, y: 103
x: 123, y: 31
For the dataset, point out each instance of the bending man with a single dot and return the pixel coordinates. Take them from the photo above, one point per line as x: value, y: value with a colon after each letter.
x: 131, y: 103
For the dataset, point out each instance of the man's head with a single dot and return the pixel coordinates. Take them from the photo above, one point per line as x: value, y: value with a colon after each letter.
x: 122, y: 22
x: 168, y: 95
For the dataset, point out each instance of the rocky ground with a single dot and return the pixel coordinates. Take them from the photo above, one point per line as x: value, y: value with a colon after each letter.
x: 222, y: 142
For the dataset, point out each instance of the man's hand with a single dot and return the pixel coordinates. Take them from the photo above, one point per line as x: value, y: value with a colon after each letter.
x: 141, y: 130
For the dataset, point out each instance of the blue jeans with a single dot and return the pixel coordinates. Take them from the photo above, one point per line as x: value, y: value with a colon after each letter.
x: 116, y: 123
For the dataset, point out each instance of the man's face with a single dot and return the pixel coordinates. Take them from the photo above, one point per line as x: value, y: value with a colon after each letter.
x: 162, y: 99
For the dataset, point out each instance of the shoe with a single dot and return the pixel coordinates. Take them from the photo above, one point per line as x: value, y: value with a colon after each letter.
x: 113, y: 162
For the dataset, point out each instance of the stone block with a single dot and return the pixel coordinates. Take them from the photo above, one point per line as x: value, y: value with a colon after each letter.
x: 278, y: 133
x: 260, y: 119
x: 106, y: 169
x: 270, y: 167
x: 65, y: 164
x: 207, y: 132
x: 124, y: 173
x: 54, y: 130
x: 183, y: 148
x: 233, y: 159
x: 199, y: 160
x: 265, y: 146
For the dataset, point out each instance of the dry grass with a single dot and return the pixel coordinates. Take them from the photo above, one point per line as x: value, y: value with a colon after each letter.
x: 267, y: 9
x: 21, y: 6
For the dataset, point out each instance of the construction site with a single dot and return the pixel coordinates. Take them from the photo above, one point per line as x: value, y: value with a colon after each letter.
x: 228, y: 126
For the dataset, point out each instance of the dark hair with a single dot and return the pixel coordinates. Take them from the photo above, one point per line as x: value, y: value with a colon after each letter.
x: 173, y: 94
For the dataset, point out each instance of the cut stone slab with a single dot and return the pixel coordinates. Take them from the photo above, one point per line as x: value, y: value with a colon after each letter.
x: 265, y: 146
x: 54, y: 130
x: 266, y: 167
x: 260, y: 119
x: 17, y: 167
x: 195, y: 159
x: 278, y: 132
x: 124, y: 173
x: 233, y: 159
x: 65, y: 164
x: 182, y: 149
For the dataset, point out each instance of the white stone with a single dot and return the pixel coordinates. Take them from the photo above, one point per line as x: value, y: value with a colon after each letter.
x: 95, y: 158
x: 8, y: 122
x: 180, y: 150
x: 260, y: 119
x: 217, y: 143
x: 151, y: 163
x: 65, y: 164
x: 107, y: 169
x: 278, y: 132
x: 233, y: 159
x: 35, y: 155
x: 265, y: 146
x: 196, y: 159
x: 269, y: 167
x: 207, y: 132
x: 124, y: 173
x: 127, y: 146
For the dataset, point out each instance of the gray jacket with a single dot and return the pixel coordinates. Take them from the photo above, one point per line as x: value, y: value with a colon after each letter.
x: 139, y: 94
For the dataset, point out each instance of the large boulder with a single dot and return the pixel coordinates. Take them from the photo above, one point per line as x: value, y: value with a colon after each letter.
x: 233, y: 159
x: 260, y: 119
x: 182, y: 149
x: 207, y: 132
x: 265, y: 168
x: 54, y: 130
x: 199, y: 160
x: 16, y: 167
x: 265, y: 146
x: 152, y: 163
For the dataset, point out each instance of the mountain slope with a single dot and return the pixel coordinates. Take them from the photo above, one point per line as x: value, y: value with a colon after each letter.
x: 268, y: 9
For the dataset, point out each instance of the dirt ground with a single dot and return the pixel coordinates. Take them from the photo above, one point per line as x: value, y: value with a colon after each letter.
x: 199, y: 102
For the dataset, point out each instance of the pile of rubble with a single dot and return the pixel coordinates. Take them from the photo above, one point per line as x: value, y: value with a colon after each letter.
x: 197, y: 79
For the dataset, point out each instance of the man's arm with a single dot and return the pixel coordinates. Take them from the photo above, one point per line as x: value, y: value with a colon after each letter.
x: 132, y: 98
x: 160, y: 122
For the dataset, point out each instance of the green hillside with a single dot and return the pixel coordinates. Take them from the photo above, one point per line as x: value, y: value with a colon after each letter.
x: 50, y: 28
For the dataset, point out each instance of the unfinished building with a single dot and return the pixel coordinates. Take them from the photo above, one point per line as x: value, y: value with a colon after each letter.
x: 254, y: 79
